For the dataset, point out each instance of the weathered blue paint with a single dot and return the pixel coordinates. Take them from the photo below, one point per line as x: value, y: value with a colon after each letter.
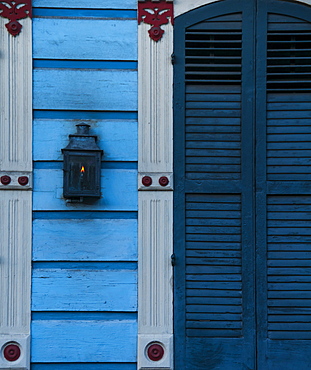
x: 85, y: 89
x: 242, y: 222
x: 85, y: 366
x: 84, y: 115
x: 70, y: 39
x: 78, y: 290
x: 84, y: 64
x: 91, y: 13
x: 118, y: 138
x: 84, y: 341
x: 68, y: 240
x: 84, y: 293
x: 119, y: 188
x: 85, y: 4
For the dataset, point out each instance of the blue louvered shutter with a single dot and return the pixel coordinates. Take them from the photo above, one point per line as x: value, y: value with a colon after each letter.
x: 284, y: 191
x: 214, y: 228
x: 242, y: 186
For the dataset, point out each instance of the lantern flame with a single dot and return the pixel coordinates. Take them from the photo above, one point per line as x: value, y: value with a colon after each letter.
x: 82, y: 169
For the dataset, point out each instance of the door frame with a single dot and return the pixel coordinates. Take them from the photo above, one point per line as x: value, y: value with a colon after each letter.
x: 156, y: 95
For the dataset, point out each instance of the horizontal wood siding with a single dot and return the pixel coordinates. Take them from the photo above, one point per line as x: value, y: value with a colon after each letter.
x: 57, y: 39
x: 84, y: 4
x: 84, y: 280
x: 114, y: 136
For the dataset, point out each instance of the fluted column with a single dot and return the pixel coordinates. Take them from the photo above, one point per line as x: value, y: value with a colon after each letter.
x: 15, y: 191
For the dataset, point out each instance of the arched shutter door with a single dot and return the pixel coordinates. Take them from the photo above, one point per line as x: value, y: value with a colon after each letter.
x: 242, y: 198
x: 213, y: 207
x: 283, y: 189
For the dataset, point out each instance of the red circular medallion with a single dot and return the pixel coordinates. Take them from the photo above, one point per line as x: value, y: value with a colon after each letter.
x: 23, y: 180
x: 146, y: 180
x: 11, y: 352
x: 155, y: 352
x: 163, y: 181
x: 5, y: 180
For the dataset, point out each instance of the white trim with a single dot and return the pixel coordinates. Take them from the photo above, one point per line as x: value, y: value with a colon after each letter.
x: 15, y: 202
x: 183, y: 6
x: 155, y: 219
x: 155, y: 142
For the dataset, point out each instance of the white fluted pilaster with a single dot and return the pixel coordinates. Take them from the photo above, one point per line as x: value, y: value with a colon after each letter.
x: 155, y: 297
x: 15, y: 199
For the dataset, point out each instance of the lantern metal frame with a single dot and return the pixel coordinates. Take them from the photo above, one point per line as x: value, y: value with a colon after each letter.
x: 82, y: 166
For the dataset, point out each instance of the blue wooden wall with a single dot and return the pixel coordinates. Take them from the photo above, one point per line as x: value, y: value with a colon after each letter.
x: 84, y: 287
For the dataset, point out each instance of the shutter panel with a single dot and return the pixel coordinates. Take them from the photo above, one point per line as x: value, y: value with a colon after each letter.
x: 289, y: 267
x: 286, y: 343
x: 289, y: 92
x: 213, y: 152
x: 218, y: 215
x: 213, y: 272
x: 213, y: 98
x: 289, y: 158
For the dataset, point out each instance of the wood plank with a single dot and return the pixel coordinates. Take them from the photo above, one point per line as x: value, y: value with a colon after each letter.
x: 225, y: 229
x: 84, y: 4
x: 216, y: 333
x: 213, y: 145
x: 68, y: 240
x: 290, y: 335
x: 80, y: 341
x: 201, y: 324
x: 289, y: 286
x: 199, y: 253
x: 290, y: 318
x: 201, y: 104
x: 216, y: 129
x: 226, y: 113
x: 289, y: 302
x: 196, y: 221
x: 203, y: 308
x: 213, y: 261
x: 215, y: 169
x: 213, y: 276
x: 213, y: 153
x: 84, y: 366
x: 292, y: 137
x: 214, y: 136
x: 290, y: 177
x: 211, y: 238
x: 213, y: 121
x: 117, y: 138
x: 106, y: 90
x: 289, y: 231
x: 119, y: 188
x: 282, y: 153
x: 224, y: 270
x: 214, y: 316
x: 288, y: 114
x: 213, y: 245
x: 233, y: 285
x: 213, y: 293
x: 296, y: 161
x: 59, y: 38
x: 84, y: 290
x: 288, y: 294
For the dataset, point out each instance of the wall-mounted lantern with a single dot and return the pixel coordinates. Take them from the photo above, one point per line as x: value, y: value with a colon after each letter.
x: 82, y: 164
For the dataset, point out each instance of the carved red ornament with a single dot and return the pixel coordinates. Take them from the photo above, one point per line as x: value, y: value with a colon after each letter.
x: 14, y: 11
x: 156, y: 14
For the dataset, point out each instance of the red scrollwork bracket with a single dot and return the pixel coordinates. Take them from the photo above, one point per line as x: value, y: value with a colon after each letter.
x: 14, y: 11
x: 156, y: 14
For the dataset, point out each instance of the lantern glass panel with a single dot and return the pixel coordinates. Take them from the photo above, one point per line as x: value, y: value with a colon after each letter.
x: 81, y: 173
